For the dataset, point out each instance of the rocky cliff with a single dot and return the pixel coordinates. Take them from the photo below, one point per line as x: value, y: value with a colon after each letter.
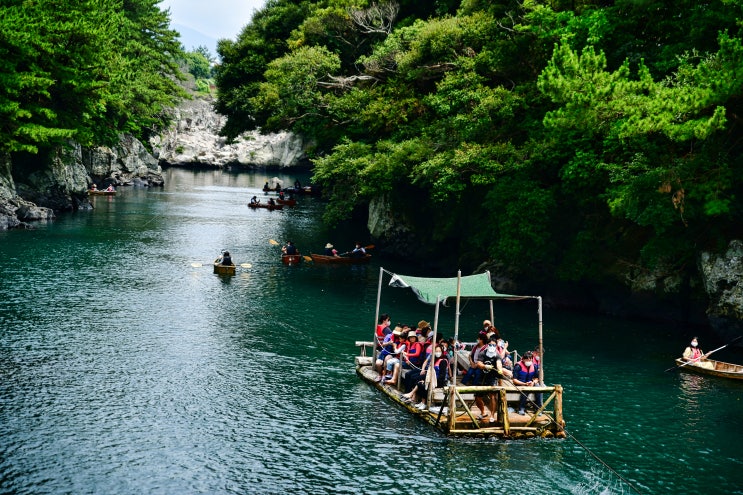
x: 193, y: 140
x: 33, y: 187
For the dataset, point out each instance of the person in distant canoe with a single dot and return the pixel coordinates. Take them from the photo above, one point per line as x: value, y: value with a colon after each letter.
x: 110, y: 188
x: 271, y: 202
x: 93, y: 187
x: 297, y: 184
x: 358, y: 251
x: 266, y: 187
x: 289, y: 248
x: 226, y: 259
x: 281, y: 194
x: 330, y: 250
x: 696, y: 355
x: 254, y: 200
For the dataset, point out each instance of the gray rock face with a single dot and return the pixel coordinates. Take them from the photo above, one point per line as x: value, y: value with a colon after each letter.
x: 59, y: 179
x: 193, y: 140
x: 722, y: 275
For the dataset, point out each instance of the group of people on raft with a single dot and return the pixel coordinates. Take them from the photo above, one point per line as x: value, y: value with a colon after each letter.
x: 411, y: 348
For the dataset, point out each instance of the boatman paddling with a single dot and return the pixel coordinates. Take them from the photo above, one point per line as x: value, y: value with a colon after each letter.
x: 694, y: 354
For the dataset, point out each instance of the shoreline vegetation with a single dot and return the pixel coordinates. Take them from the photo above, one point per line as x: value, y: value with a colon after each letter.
x: 567, y: 145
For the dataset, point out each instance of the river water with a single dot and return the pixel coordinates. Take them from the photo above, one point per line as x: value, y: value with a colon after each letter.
x: 126, y: 370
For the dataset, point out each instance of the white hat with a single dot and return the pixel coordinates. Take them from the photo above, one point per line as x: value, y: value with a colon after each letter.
x: 328, y: 246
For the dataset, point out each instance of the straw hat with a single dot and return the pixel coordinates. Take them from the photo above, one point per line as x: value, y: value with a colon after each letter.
x: 328, y: 246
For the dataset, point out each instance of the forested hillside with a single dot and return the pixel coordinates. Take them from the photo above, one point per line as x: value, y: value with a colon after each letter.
x: 86, y: 70
x: 575, y: 138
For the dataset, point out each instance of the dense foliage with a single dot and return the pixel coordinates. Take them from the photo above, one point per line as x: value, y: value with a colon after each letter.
x: 84, y: 70
x: 565, y: 137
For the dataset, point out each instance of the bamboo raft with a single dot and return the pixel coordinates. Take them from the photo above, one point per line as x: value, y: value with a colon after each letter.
x: 460, y: 399
x: 451, y: 408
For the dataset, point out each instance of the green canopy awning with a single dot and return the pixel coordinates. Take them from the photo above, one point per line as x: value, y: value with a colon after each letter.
x: 429, y: 290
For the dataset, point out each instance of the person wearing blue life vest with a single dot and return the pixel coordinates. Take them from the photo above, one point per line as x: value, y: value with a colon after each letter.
x: 526, y: 374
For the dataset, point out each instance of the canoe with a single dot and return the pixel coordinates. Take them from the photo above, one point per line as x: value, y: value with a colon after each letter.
x: 223, y: 269
x: 266, y: 206
x: 340, y: 260
x: 291, y: 259
x: 450, y: 407
x: 287, y: 202
x: 307, y: 190
x: 98, y: 192
x: 717, y: 368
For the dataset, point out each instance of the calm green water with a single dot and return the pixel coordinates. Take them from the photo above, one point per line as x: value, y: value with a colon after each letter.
x: 125, y: 370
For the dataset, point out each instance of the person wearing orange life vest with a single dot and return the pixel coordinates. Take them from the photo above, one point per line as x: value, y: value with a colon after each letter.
x: 383, y: 329
x: 696, y: 355
x: 526, y: 374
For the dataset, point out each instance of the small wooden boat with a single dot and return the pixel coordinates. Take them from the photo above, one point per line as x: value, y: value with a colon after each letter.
x: 266, y: 206
x: 340, y: 260
x: 223, y: 269
x: 287, y: 202
x: 306, y: 190
x: 450, y: 406
x: 291, y: 259
x: 713, y: 368
x: 101, y: 192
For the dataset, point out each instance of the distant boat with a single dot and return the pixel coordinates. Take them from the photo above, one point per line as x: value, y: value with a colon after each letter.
x: 287, y: 202
x: 221, y: 269
x: 266, y: 206
x: 718, y: 368
x: 99, y: 192
x: 340, y: 260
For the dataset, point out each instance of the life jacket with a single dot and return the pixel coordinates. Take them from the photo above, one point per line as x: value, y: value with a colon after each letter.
x: 696, y: 353
x: 442, y: 370
x: 415, y: 354
x: 476, y: 352
x: 531, y: 368
x: 380, y: 333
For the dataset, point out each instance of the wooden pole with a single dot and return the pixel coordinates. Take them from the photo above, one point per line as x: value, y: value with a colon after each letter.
x: 541, y: 346
x: 376, y: 319
x: 430, y: 372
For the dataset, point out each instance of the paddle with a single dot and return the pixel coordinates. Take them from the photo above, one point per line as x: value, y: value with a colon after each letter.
x: 736, y: 339
x: 307, y: 258
x: 370, y: 246
x: 242, y: 265
x: 272, y: 242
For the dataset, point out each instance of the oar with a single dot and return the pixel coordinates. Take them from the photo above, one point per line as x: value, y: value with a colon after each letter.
x: 307, y: 258
x: 370, y: 246
x: 272, y: 242
x: 736, y: 339
x: 242, y: 265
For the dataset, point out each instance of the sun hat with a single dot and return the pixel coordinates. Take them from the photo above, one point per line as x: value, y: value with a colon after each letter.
x: 423, y: 324
x: 328, y: 246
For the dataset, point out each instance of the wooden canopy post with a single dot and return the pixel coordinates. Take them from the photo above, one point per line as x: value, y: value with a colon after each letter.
x: 541, y: 344
x: 431, y: 372
x: 376, y: 318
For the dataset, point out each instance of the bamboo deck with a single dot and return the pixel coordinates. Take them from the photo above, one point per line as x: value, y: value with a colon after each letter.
x: 460, y: 399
